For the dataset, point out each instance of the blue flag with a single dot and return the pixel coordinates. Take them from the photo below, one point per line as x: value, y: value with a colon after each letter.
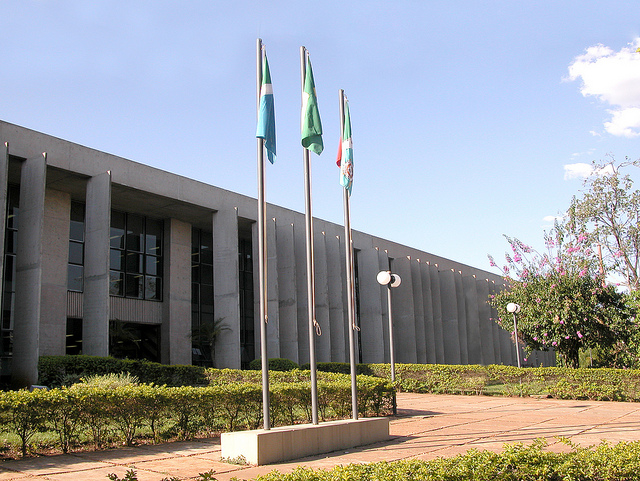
x: 267, y: 115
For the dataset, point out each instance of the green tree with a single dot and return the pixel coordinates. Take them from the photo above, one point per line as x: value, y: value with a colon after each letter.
x: 609, y: 209
x: 565, y: 305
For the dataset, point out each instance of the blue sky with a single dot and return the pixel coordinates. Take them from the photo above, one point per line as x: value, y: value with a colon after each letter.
x: 465, y: 114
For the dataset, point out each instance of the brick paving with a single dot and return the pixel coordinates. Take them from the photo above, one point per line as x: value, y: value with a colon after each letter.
x: 426, y: 427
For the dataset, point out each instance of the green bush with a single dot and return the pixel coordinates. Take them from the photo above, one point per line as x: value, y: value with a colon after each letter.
x: 275, y: 364
x: 516, y: 462
x: 56, y: 371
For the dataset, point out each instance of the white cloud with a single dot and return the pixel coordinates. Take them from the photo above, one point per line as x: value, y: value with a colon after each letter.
x: 577, y: 171
x: 553, y: 218
x: 614, y: 78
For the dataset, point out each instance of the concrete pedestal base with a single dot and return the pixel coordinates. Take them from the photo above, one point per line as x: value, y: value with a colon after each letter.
x: 284, y: 443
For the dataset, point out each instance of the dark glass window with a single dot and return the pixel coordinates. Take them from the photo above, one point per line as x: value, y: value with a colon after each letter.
x: 75, y: 269
x: 8, y: 284
x: 204, y: 325
x: 136, y: 256
x: 247, y: 335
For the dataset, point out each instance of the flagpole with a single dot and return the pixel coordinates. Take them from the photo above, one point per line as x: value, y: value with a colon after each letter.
x: 262, y: 258
x: 348, y: 244
x: 311, y: 302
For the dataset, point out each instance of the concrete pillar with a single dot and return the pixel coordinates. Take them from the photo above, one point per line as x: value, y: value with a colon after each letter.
x: 273, y: 303
x: 474, y: 337
x: 287, y: 294
x: 486, y: 322
x: 176, y: 306
x: 26, y: 329
x: 300, y: 254
x: 95, y: 322
x: 226, y: 286
x: 336, y: 277
x: 428, y: 313
x: 53, y: 319
x: 451, y: 335
x: 436, y: 305
x: 404, y: 313
x: 496, y: 329
x: 462, y: 318
x: 418, y: 309
x: 323, y: 342
x: 371, y: 295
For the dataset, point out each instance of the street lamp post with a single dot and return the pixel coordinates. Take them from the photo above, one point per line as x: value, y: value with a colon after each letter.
x: 386, y: 278
x: 514, y: 308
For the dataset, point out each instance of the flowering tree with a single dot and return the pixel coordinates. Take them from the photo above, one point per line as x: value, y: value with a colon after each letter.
x: 564, y: 302
x: 610, y: 209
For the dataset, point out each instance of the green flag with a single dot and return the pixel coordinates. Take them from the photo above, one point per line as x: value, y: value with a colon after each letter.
x: 311, y: 125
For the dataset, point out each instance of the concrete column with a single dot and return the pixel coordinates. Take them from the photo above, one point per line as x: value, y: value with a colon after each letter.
x: 507, y: 346
x: 450, y: 330
x: 404, y: 313
x: 300, y: 254
x: 323, y: 342
x: 496, y: 329
x: 371, y: 295
x: 336, y: 277
x: 486, y: 322
x: 436, y: 305
x: 418, y: 309
x: 26, y: 329
x: 176, y: 306
x: 95, y: 322
x: 273, y: 281
x: 226, y: 286
x: 53, y: 319
x: 428, y: 312
x: 287, y: 291
x: 462, y: 318
x: 474, y: 338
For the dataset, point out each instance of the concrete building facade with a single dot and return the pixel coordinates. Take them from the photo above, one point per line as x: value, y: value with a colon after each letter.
x: 105, y: 256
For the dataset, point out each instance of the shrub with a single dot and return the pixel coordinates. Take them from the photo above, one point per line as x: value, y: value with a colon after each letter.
x: 275, y: 364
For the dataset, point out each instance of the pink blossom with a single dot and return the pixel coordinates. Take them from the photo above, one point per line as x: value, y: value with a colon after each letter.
x: 579, y: 334
x: 545, y: 334
x: 535, y: 338
x: 566, y: 337
x: 582, y: 273
x: 554, y: 343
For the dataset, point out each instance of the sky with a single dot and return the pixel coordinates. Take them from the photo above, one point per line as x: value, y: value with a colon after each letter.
x: 470, y: 119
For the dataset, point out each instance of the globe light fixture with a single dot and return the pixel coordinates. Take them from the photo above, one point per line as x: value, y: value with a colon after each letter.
x: 514, y: 308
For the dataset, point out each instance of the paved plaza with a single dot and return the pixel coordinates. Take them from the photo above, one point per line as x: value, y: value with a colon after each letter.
x: 426, y: 427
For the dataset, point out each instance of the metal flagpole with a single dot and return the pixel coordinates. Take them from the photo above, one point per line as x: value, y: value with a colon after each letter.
x: 311, y: 301
x: 348, y: 245
x: 262, y: 258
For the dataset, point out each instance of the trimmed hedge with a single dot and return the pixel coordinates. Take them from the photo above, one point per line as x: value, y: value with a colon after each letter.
x: 275, y: 364
x: 56, y: 371
x: 104, y: 415
x: 516, y: 462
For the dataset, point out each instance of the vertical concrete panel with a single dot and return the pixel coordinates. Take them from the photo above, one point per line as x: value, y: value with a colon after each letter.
x: 95, y: 322
x: 496, y: 329
x: 404, y: 313
x: 53, y: 320
x: 449, y: 305
x: 323, y: 342
x: 462, y: 318
x: 273, y: 302
x: 226, y: 286
x: 436, y: 305
x: 301, y: 286
x: 26, y: 329
x: 418, y: 309
x: 474, y: 338
x: 336, y: 285
x: 287, y: 294
x: 428, y: 313
x: 371, y: 307
x: 176, y: 306
x: 486, y: 323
